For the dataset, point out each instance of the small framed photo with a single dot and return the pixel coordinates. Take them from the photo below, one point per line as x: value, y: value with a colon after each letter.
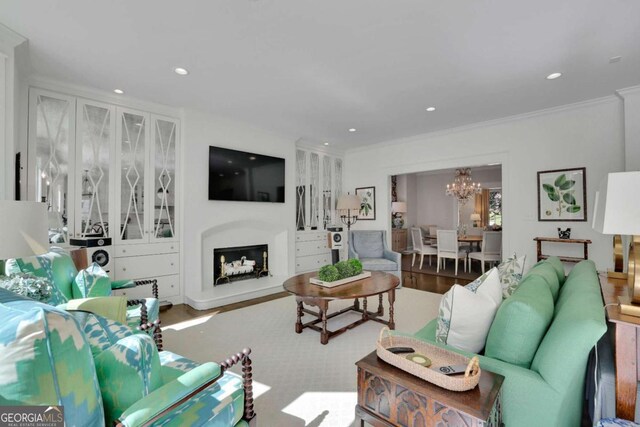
x: 368, y: 203
x: 562, y: 195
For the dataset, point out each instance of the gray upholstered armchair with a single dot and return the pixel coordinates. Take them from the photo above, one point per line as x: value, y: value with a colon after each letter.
x: 370, y: 247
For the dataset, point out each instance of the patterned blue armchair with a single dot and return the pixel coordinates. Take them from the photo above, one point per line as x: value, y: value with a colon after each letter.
x: 103, y: 373
x: 370, y: 247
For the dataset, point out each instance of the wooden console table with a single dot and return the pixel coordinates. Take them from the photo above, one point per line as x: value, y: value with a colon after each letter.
x: 388, y: 396
x: 542, y: 256
x: 626, y: 352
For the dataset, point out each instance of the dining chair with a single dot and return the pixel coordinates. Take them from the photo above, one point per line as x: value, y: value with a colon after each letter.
x: 419, y: 248
x: 491, y: 249
x: 448, y: 248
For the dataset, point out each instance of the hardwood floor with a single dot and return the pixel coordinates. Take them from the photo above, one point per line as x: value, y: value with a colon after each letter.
x: 181, y: 312
x: 424, y: 280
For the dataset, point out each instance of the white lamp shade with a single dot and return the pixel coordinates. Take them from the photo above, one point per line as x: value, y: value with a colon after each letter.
x: 23, y: 229
x: 349, y: 202
x: 398, y: 207
x: 475, y: 217
x: 617, y: 206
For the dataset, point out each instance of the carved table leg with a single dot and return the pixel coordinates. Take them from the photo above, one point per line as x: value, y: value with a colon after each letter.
x: 392, y: 299
x: 324, y: 335
x: 365, y: 314
x: 299, y: 317
x: 380, y: 307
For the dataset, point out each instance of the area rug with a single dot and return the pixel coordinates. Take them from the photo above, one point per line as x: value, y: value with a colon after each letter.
x: 297, y: 380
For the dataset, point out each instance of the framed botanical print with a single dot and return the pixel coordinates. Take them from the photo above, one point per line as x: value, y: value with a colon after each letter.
x: 367, y: 203
x: 562, y: 195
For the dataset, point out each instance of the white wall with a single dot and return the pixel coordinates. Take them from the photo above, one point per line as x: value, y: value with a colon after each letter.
x: 588, y: 134
x: 200, y: 214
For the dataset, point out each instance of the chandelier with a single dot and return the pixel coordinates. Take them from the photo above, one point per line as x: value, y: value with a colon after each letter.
x: 462, y: 187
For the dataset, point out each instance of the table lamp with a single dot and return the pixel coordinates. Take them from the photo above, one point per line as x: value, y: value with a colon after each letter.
x: 23, y: 230
x: 397, y: 209
x: 475, y: 217
x: 618, y: 212
x: 349, y: 207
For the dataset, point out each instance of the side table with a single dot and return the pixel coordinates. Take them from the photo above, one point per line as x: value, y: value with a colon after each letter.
x: 388, y: 396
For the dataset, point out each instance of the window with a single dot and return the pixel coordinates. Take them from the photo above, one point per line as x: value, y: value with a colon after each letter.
x: 495, y: 207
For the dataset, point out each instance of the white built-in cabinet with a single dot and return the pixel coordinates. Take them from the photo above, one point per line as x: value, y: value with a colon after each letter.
x: 110, y: 171
x: 318, y: 187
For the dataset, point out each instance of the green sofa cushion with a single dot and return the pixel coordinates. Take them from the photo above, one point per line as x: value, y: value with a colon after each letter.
x: 578, y: 324
x: 546, y: 270
x: 46, y: 360
x: 521, y: 322
x: 558, y: 267
x: 127, y: 371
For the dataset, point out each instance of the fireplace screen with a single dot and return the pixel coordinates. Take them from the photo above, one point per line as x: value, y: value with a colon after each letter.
x: 239, y: 262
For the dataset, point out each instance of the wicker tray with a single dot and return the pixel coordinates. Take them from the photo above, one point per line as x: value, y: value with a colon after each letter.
x: 439, y: 357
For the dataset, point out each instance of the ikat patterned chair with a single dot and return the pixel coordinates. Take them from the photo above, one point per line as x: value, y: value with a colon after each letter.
x: 69, y: 285
x: 103, y: 373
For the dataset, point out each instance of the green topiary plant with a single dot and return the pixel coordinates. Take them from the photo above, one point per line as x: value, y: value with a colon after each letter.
x: 328, y: 273
x: 356, y: 266
x: 345, y: 269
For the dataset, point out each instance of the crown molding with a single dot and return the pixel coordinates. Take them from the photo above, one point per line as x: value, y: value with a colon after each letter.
x: 42, y: 82
x: 628, y: 91
x: 487, y: 123
x: 318, y: 146
x: 10, y: 38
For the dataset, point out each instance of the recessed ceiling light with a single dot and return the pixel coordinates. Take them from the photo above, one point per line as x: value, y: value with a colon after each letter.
x: 615, y: 59
x: 118, y: 91
x: 430, y: 109
x: 229, y: 161
x: 181, y: 71
x: 237, y: 173
x: 553, y: 76
x: 326, y: 143
x: 221, y: 174
x: 252, y: 158
x: 352, y: 130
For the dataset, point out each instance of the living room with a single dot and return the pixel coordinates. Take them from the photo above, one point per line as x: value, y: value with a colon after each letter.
x: 346, y: 97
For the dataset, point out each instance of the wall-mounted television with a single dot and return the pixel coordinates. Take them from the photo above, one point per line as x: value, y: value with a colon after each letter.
x: 247, y: 177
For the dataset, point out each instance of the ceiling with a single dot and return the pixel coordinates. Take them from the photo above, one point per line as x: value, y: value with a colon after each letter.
x: 315, y: 68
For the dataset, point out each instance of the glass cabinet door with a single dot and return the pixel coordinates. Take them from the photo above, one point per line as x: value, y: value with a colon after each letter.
x: 131, y: 172
x: 95, y: 146
x: 163, y: 197
x: 51, y: 158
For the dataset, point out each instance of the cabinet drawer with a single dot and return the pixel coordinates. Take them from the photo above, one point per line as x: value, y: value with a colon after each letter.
x: 168, y: 286
x: 316, y: 247
x: 306, y: 236
x: 146, y: 266
x: 308, y: 263
x: 146, y: 249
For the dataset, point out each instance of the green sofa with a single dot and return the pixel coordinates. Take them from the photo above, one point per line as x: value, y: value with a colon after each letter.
x: 540, y: 342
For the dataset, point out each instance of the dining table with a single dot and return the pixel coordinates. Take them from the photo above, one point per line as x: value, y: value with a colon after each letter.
x: 471, y: 239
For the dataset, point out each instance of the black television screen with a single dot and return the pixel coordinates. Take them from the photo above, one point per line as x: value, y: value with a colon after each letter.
x: 241, y: 176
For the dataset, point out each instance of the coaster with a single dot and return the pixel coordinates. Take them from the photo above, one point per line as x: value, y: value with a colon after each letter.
x: 419, y: 359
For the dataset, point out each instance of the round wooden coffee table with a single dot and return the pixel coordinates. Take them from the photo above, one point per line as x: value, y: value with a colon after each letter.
x: 320, y: 296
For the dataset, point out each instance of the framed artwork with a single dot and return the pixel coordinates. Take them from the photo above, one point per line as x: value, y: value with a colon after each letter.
x: 562, y: 195
x: 368, y: 203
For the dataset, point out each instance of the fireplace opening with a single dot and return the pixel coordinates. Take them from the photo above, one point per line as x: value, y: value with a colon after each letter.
x: 240, y: 262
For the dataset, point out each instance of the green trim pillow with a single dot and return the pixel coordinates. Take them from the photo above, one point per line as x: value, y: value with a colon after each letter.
x: 93, y: 281
x: 511, y: 272
x: 466, y: 312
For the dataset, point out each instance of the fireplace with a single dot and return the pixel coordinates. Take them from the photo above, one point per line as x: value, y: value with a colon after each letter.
x: 239, y: 262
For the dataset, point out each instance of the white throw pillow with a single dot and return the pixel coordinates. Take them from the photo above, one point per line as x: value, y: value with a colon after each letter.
x: 466, y: 313
x: 511, y: 272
